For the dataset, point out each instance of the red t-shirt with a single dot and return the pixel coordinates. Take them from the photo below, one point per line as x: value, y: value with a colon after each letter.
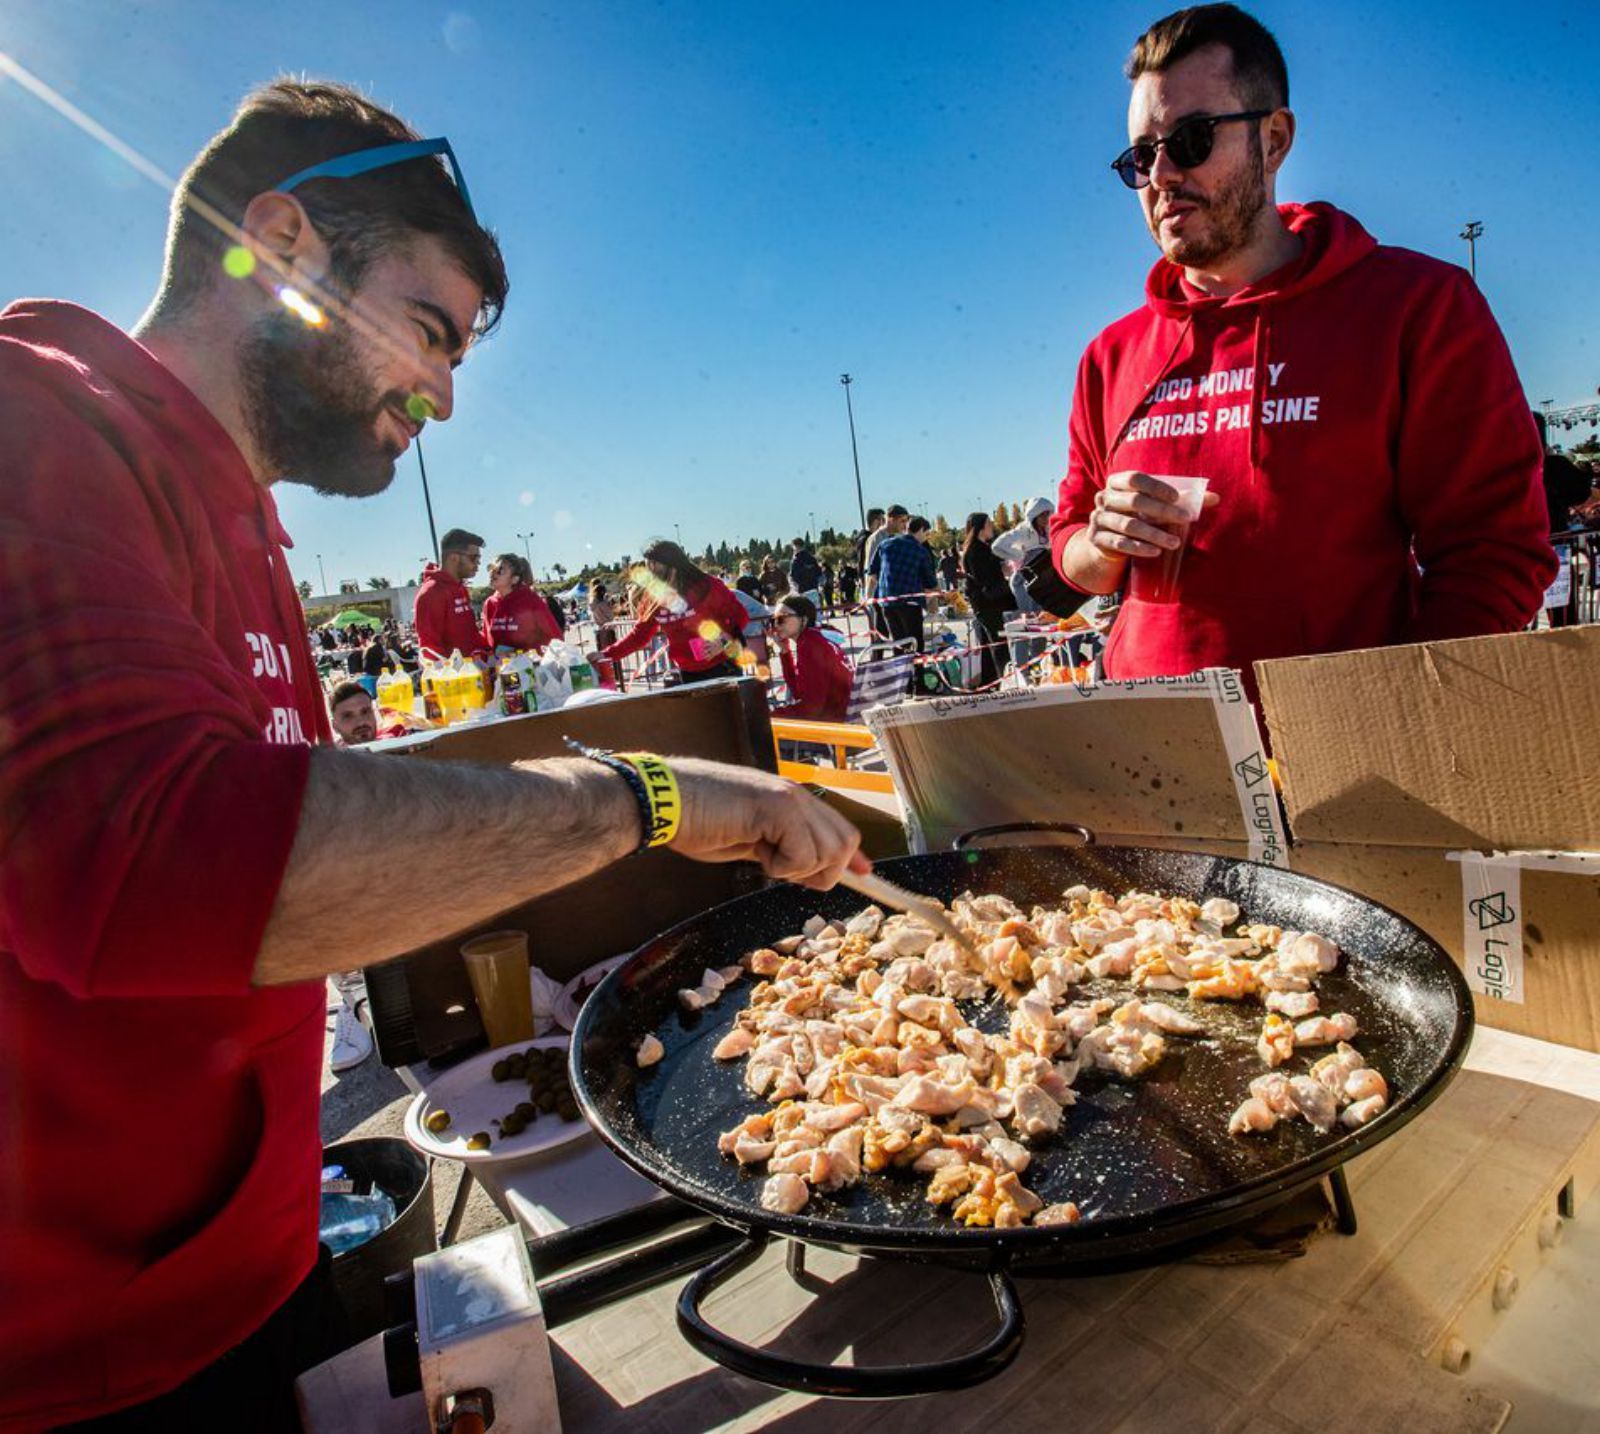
x: 521, y: 619
x: 443, y: 617
x: 158, y: 1189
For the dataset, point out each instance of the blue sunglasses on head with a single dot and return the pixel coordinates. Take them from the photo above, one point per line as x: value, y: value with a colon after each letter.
x: 347, y: 166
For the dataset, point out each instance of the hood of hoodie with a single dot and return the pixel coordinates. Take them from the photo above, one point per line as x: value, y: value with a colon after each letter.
x: 433, y: 573
x: 1037, y: 508
x: 1334, y: 242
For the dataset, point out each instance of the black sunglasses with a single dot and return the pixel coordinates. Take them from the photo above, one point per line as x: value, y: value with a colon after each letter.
x: 1188, y: 146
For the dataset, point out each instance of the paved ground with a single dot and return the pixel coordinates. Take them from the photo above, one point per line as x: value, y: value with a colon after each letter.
x: 370, y: 1100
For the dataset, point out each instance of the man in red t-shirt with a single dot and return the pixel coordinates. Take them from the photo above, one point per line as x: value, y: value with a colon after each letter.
x: 172, y: 841
x: 1372, y: 468
x: 444, y: 619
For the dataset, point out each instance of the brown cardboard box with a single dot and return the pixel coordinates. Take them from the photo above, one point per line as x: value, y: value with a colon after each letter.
x: 1394, y: 758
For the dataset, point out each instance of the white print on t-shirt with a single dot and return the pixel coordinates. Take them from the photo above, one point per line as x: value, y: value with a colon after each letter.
x: 1296, y: 408
x: 271, y: 659
x: 285, y: 728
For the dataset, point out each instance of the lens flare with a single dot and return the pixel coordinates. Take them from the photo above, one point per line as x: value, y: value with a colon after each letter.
x: 238, y: 262
x: 301, y: 307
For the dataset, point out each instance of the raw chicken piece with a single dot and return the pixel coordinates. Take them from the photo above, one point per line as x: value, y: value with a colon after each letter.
x: 1011, y: 1189
x: 1296, y: 1005
x: 934, y: 1097
x: 865, y: 923
x: 1333, y: 1070
x: 649, y: 1052
x: 1219, y: 911
x: 1363, y: 1083
x: 1273, y: 1091
x: 830, y: 1118
x: 1009, y: 1153
x: 1277, y: 1040
x: 1309, y: 946
x: 736, y: 1043
x: 1325, y: 1030
x: 937, y: 1158
x: 1063, y: 1213
x: 1363, y: 1111
x: 1163, y: 1017
x: 1314, y: 1101
x: 910, y: 939
x: 784, y: 1194
x: 747, y: 1150
x: 1254, y: 1116
x: 1035, y: 1113
x: 691, y: 1000
x: 712, y: 981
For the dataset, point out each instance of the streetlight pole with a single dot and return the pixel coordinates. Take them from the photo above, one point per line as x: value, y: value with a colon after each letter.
x: 433, y: 533
x: 678, y: 529
x: 855, y: 457
x: 811, y: 532
x: 321, y: 574
x: 526, y: 551
x: 1472, y: 233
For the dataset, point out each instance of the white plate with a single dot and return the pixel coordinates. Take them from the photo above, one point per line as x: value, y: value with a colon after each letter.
x: 565, y: 1007
x: 474, y: 1099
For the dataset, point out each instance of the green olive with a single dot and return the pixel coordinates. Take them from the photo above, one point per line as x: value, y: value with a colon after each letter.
x: 437, y: 1121
x: 500, y: 1070
x: 567, y: 1110
x: 512, y: 1125
x: 527, y: 1110
x: 516, y: 1066
x: 545, y: 1100
x: 480, y: 1141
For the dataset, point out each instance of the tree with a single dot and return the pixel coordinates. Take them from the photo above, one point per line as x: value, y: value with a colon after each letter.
x: 349, y: 586
x: 559, y: 571
x: 378, y: 584
x: 304, y: 588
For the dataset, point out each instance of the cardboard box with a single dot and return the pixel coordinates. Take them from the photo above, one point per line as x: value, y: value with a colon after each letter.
x: 422, y: 1003
x: 1400, y: 764
x: 1404, y: 771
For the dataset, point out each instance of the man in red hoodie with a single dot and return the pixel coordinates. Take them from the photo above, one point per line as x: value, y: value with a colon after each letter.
x: 444, y: 619
x: 172, y: 842
x: 1373, y: 469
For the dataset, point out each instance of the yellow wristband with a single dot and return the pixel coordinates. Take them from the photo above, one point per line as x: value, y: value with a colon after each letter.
x: 661, y: 786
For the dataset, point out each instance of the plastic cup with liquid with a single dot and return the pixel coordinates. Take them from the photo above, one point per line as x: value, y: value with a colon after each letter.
x: 1156, y: 579
x: 497, y: 966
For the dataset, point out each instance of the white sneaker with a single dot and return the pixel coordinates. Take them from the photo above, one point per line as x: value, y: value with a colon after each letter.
x: 352, y: 1042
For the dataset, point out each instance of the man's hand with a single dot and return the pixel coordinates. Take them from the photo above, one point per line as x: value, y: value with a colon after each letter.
x: 1137, y: 516
x: 738, y: 814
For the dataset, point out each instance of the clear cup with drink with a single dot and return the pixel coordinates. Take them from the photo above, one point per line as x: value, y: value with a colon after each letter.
x: 1156, y: 579
x: 497, y: 966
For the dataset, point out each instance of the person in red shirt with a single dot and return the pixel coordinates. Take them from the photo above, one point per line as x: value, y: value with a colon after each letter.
x: 516, y: 618
x: 172, y: 841
x: 443, y: 618
x: 1373, y: 470
x: 818, y: 677
x: 696, y: 613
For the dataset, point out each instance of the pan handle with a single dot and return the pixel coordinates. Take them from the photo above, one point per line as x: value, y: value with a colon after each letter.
x: 896, y: 1381
x: 966, y: 839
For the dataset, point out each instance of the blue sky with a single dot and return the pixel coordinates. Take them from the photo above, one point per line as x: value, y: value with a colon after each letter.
x: 712, y: 209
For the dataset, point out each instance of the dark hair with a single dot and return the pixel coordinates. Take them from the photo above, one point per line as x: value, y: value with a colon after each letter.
x: 520, y: 566
x: 458, y: 540
x: 897, y: 510
x: 873, y: 513
x: 802, y: 607
x: 1259, y: 73
x: 598, y: 590
x: 685, y: 572
x: 918, y: 525
x: 290, y: 125
x: 1544, y: 437
x: 345, y: 691
x: 969, y: 534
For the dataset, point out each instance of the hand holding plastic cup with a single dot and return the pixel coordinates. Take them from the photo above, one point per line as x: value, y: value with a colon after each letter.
x: 1156, y: 579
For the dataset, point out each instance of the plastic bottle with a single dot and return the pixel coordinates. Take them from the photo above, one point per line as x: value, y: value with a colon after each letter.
x: 432, y: 707
x: 513, y: 699
x: 474, y: 696
x: 578, y: 667
x: 395, y: 692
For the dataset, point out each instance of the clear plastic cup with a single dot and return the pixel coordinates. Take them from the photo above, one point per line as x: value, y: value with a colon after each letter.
x: 497, y: 966
x: 1156, y: 579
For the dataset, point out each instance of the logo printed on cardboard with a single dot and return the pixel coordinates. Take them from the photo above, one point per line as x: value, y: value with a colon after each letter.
x: 1253, y: 769
x: 1492, y: 910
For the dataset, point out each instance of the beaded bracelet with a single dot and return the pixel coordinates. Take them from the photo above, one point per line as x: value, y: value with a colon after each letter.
x: 654, y: 788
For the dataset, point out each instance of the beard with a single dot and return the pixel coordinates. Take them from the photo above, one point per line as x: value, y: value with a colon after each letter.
x: 312, y: 407
x: 1229, y: 216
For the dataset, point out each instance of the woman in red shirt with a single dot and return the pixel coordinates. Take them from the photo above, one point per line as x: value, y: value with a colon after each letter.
x: 818, y: 677
x: 516, y: 618
x: 696, y: 613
